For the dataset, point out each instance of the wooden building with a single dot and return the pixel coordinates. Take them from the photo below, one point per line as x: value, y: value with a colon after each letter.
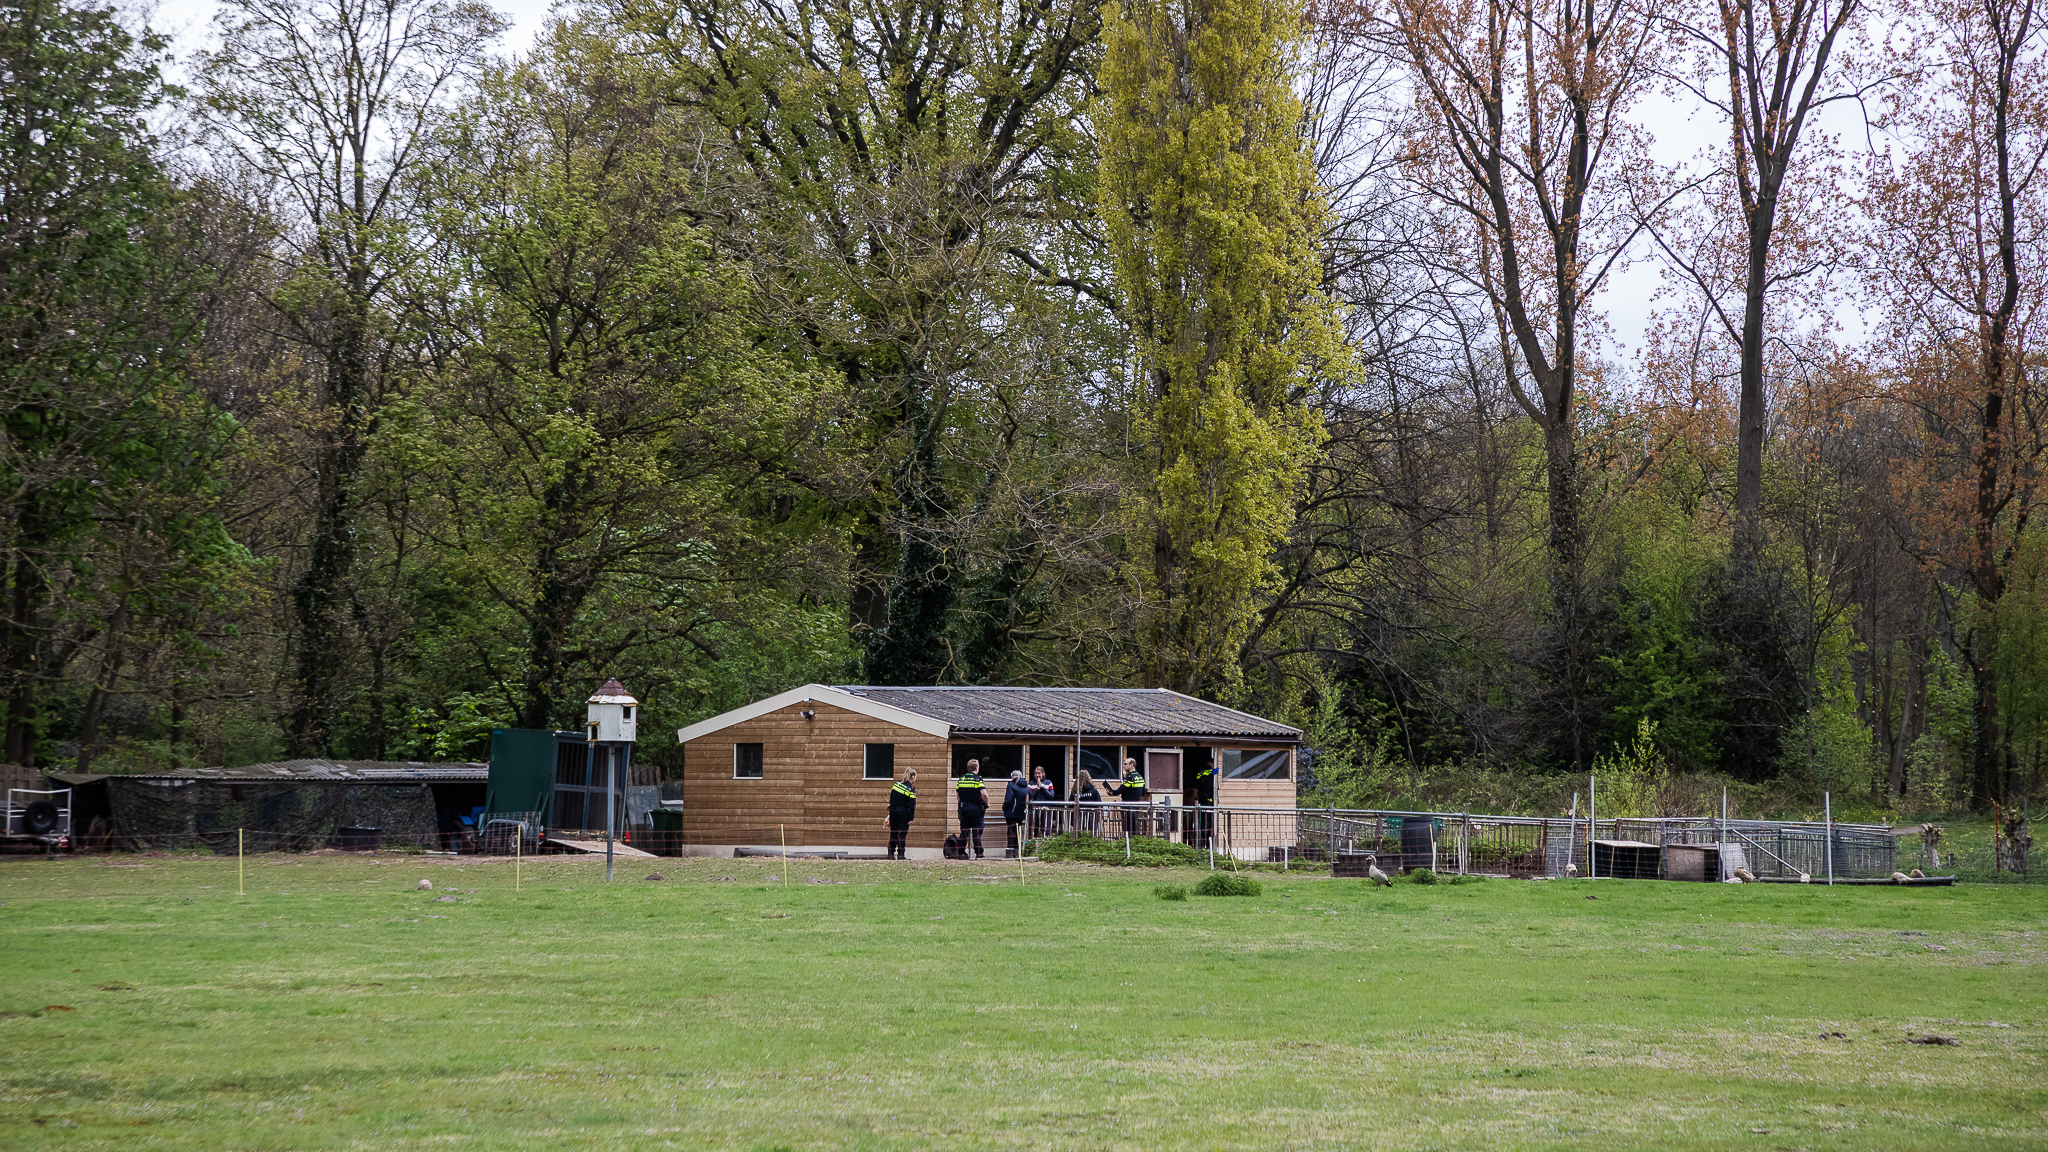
x: 813, y: 766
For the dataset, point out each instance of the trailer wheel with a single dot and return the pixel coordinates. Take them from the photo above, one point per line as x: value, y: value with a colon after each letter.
x: 39, y: 818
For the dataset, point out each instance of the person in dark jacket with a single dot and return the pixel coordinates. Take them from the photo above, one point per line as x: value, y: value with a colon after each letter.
x: 1132, y: 791
x: 973, y: 806
x: 1016, y: 804
x: 1087, y: 818
x: 1042, y: 792
x: 902, y: 810
x: 1202, y: 794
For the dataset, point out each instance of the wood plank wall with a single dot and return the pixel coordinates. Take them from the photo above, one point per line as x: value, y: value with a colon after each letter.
x: 810, y: 781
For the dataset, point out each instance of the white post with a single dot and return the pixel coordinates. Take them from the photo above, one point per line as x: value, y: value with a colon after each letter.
x: 1721, y: 835
x: 611, y: 807
x: 1827, y: 802
x: 1592, y: 823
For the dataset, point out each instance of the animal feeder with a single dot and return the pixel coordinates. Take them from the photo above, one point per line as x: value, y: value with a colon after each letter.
x: 1626, y: 860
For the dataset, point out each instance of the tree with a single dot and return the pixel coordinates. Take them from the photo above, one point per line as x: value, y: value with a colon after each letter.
x: 103, y: 439
x: 604, y: 407
x: 1764, y: 76
x: 329, y: 102
x: 1211, y: 210
x: 900, y: 174
x: 1961, y: 259
x: 1523, y: 137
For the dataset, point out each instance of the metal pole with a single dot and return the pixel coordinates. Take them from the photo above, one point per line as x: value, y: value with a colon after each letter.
x: 1721, y: 836
x: 1592, y: 823
x: 611, y: 808
x: 241, y: 876
x: 1827, y: 801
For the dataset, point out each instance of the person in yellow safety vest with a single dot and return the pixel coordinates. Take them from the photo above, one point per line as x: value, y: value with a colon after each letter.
x: 902, y: 810
x: 973, y: 807
x: 1132, y: 791
x: 1202, y: 794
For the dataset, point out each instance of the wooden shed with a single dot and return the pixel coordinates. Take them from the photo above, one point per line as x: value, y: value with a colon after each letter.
x: 814, y: 765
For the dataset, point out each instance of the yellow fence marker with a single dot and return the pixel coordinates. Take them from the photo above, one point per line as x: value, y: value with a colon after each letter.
x: 241, y: 874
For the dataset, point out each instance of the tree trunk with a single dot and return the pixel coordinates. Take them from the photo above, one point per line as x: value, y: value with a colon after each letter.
x: 320, y: 595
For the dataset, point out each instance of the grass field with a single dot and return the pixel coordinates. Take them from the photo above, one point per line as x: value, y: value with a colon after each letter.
x: 143, y: 1004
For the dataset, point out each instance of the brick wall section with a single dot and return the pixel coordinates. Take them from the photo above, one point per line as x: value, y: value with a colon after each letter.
x: 811, y: 782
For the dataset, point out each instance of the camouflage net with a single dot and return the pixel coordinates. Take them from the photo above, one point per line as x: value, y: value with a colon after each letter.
x: 281, y: 816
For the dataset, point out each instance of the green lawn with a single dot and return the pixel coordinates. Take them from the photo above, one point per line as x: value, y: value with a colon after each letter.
x: 949, y: 1006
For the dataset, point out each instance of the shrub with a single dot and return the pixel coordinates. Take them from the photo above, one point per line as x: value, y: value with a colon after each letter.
x: 1422, y: 876
x: 1149, y: 851
x: 1170, y: 891
x: 1227, y: 884
x: 1467, y: 880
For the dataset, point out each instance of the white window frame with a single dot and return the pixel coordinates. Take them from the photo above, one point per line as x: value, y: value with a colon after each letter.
x: 867, y: 771
x: 739, y: 744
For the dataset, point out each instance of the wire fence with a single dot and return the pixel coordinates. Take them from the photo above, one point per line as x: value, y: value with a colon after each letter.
x: 1513, y: 846
x: 1704, y: 848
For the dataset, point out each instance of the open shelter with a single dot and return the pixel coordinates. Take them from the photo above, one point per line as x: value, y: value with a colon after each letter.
x: 813, y: 766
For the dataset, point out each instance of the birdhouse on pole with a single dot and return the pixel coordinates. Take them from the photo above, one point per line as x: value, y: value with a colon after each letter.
x: 612, y: 715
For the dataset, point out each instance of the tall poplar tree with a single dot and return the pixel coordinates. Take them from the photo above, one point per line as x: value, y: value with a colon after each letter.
x: 1211, y: 207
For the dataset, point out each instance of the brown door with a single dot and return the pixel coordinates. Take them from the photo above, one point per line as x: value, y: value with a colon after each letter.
x: 1162, y: 769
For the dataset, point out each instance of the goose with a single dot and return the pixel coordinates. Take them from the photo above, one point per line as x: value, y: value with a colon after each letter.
x: 1372, y: 871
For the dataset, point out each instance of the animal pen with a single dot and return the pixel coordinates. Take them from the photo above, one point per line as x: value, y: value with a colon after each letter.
x: 1524, y: 847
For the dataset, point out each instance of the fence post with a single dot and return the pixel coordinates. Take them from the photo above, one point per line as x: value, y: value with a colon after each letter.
x: 1333, y: 836
x: 1827, y: 802
x: 241, y: 885
x: 1592, y: 824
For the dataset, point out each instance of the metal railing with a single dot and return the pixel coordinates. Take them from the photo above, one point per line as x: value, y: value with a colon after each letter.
x: 1467, y: 842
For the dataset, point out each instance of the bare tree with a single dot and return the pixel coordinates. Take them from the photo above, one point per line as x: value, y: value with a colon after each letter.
x: 1762, y: 68
x: 1963, y: 262
x: 329, y: 103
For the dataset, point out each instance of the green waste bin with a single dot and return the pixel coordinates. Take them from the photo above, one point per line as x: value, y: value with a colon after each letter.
x: 667, y: 837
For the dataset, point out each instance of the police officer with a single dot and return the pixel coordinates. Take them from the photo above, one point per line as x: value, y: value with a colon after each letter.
x: 973, y: 807
x: 1202, y: 794
x: 902, y: 810
x: 1131, y: 790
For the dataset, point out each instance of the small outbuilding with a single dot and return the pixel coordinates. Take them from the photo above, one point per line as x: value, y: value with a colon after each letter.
x: 814, y: 765
x: 292, y: 804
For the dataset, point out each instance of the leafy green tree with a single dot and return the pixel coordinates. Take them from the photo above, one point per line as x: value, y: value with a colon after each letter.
x: 1211, y: 212
x: 107, y: 453
x: 899, y: 175
x: 328, y: 105
x: 605, y: 415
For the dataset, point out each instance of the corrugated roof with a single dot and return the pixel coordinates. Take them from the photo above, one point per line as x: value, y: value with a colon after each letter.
x: 1061, y: 711
x: 358, y: 771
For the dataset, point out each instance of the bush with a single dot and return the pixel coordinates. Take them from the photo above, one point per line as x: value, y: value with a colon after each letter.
x: 1227, y: 884
x: 1148, y: 851
x: 1467, y: 880
x: 1423, y: 876
x: 1170, y: 891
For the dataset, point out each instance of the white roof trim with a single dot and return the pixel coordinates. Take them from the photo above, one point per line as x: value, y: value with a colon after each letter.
x: 821, y: 694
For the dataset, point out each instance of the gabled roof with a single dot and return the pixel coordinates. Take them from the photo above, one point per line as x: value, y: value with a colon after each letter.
x: 815, y: 693
x: 1096, y: 712
x: 611, y: 692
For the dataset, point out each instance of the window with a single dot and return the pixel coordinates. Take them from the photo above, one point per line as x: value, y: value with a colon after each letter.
x: 1254, y: 765
x: 878, y: 762
x: 1102, y: 761
x: 746, y: 761
x: 628, y: 716
x: 997, y: 760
